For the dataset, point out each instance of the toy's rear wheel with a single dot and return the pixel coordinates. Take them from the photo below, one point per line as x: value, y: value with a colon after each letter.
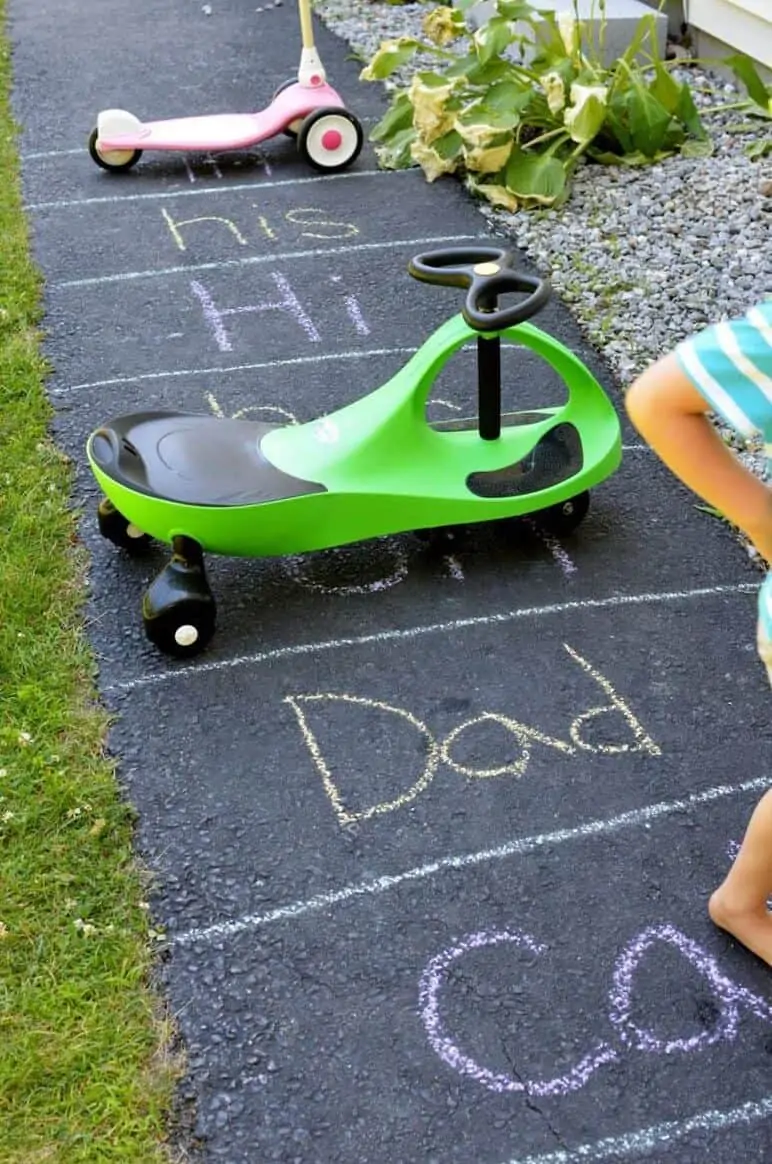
x: 442, y: 537
x: 563, y: 519
x: 119, y: 530
x: 330, y: 139
x: 293, y: 129
x: 113, y: 160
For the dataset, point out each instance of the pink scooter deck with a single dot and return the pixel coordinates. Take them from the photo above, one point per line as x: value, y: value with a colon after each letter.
x: 226, y: 131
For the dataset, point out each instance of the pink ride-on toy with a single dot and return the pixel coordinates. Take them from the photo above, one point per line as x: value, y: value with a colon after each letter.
x: 328, y: 137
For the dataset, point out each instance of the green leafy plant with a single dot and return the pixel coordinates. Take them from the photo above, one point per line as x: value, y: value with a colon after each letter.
x: 758, y: 103
x: 513, y: 105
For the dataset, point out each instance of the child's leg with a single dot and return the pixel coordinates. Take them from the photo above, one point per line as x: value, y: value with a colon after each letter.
x: 739, y: 905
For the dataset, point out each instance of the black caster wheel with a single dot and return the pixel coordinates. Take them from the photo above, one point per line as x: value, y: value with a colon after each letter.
x: 118, y: 530
x: 330, y: 139
x: 293, y: 128
x: 563, y: 519
x: 443, y: 539
x: 113, y: 160
x: 178, y: 610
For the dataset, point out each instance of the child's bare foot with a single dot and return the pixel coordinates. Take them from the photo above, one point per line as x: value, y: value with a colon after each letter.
x: 752, y: 927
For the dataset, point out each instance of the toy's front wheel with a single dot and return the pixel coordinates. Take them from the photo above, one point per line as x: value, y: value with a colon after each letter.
x: 330, y: 139
x: 113, y: 160
x: 183, y: 629
x: 562, y: 519
x: 178, y: 610
x: 119, y: 530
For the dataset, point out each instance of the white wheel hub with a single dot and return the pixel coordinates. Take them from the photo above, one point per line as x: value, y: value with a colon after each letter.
x: 332, y: 140
x: 133, y: 531
x: 186, y: 635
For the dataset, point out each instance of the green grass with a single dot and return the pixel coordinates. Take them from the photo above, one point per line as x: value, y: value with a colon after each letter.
x: 86, y: 1071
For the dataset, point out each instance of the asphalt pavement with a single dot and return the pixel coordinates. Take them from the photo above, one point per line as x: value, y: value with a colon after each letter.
x: 433, y: 830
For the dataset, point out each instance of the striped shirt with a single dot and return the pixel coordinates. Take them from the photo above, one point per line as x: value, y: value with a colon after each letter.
x: 730, y: 364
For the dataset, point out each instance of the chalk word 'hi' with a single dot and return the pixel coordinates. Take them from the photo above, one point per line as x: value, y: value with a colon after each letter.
x: 436, y: 752
x: 731, y: 1000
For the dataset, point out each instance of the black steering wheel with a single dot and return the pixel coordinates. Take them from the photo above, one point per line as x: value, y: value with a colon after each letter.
x: 487, y: 272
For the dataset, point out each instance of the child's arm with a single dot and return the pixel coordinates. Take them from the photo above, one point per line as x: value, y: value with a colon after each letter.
x: 670, y: 414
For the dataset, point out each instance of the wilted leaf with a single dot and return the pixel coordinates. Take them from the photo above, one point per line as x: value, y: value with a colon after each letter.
x: 555, y: 91
x: 570, y: 33
x: 443, y: 25
x: 431, y: 116
x: 488, y: 158
x: 496, y: 195
x: 390, y: 56
x: 430, y: 161
x: 587, y: 112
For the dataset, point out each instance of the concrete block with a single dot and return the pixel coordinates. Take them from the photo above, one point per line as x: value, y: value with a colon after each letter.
x: 621, y: 21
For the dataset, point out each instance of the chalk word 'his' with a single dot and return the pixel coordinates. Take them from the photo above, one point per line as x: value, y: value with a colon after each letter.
x: 731, y: 1000
x: 437, y: 752
x: 316, y: 222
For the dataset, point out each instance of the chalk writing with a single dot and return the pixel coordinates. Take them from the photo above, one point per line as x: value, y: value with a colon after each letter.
x: 730, y: 998
x: 453, y: 567
x: 316, y: 222
x: 522, y: 736
x: 174, y: 227
x: 267, y: 230
x: 345, y: 815
x: 307, y: 216
x: 299, y: 570
x: 218, y: 410
x: 288, y: 303
x: 354, y: 309
x: 209, y: 159
x: 250, y: 410
x: 559, y: 553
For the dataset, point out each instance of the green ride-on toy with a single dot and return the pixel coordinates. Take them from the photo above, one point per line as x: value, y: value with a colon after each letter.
x: 375, y: 467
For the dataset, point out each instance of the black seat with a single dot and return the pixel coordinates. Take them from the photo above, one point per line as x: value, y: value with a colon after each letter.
x: 193, y: 459
x: 554, y: 458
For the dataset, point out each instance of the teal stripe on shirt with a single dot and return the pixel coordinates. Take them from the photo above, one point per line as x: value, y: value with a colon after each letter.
x: 738, y: 387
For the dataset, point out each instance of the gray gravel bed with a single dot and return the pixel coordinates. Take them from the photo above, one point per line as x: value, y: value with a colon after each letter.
x: 643, y: 256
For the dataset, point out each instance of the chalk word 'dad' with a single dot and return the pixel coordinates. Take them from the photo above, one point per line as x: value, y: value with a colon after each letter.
x: 628, y: 1036
x: 436, y: 752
